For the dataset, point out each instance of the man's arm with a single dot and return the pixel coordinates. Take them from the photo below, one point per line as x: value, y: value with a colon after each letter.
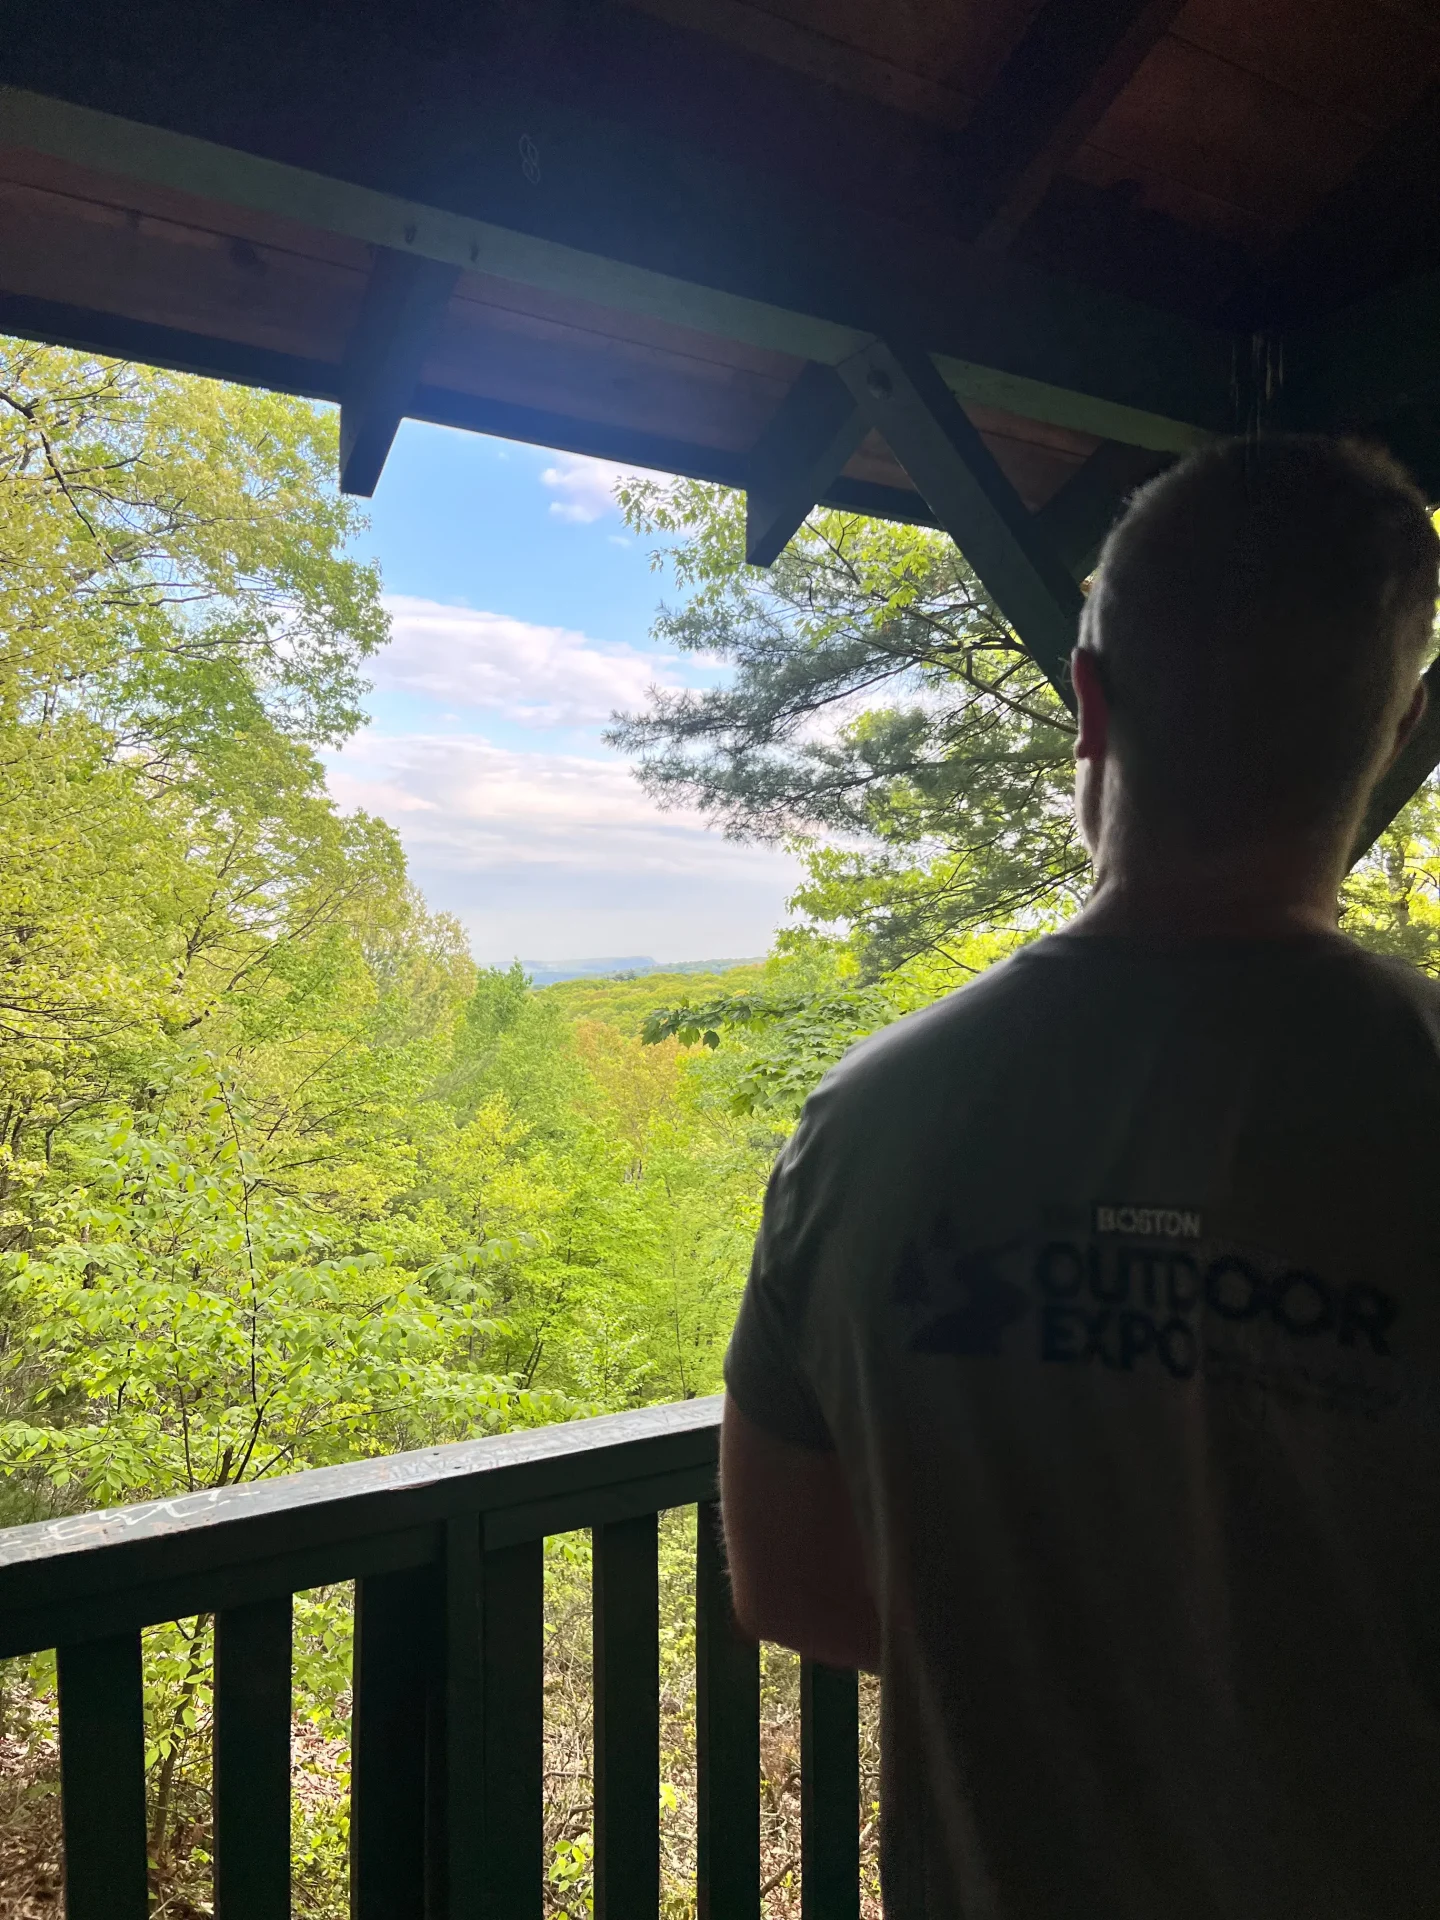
x: 797, y: 1569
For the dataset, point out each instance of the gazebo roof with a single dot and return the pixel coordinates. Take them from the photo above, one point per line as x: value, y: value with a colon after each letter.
x: 981, y: 263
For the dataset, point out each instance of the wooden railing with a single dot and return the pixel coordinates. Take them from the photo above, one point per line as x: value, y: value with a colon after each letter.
x: 446, y: 1551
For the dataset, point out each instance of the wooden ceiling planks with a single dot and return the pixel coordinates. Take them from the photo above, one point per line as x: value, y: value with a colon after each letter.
x: 1240, y: 123
x: 1219, y: 143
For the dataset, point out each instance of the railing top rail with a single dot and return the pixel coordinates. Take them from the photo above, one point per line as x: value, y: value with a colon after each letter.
x: 303, y: 1519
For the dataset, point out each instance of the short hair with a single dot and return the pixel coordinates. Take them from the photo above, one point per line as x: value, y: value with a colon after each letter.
x: 1260, y: 613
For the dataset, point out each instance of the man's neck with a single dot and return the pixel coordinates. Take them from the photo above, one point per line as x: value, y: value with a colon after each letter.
x: 1269, y: 894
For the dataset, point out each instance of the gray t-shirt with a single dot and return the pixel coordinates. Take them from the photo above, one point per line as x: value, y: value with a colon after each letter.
x: 1114, y: 1280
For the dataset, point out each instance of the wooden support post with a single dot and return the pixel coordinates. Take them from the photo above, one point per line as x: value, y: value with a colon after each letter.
x: 901, y: 394
x: 403, y: 301
x: 814, y: 433
x: 1417, y: 760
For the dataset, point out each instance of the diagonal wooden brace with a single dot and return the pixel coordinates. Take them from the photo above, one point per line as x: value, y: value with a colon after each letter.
x: 814, y: 432
x: 900, y: 394
x: 1076, y: 520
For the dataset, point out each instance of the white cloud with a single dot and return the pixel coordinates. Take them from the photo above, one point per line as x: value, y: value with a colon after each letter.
x: 466, y: 801
x: 533, y: 676
x: 552, y: 853
x: 586, y: 487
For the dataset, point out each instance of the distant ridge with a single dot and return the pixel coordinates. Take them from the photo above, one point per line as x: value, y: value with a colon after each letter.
x: 549, y: 973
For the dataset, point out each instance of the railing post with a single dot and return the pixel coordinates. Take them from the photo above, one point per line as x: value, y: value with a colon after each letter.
x: 397, y: 1628
x: 102, y: 1779
x: 829, y: 1794
x: 464, y: 1721
x: 727, y: 1734
x: 252, y: 1761
x: 627, y: 1719
x: 513, y: 1667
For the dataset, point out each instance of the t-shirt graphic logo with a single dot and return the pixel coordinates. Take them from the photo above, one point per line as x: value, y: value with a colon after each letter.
x: 990, y: 1303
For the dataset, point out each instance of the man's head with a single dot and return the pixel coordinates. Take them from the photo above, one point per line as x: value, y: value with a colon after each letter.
x: 1249, y: 651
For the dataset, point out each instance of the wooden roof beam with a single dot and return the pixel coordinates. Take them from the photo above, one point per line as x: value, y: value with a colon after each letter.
x: 404, y: 300
x: 115, y: 336
x: 1364, y: 364
x: 814, y: 432
x: 900, y: 393
x: 1007, y: 335
x: 1074, y: 59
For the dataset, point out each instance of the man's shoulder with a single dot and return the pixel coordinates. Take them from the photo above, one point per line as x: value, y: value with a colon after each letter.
x: 1393, y: 986
x: 930, y: 1044
x: 1050, y: 991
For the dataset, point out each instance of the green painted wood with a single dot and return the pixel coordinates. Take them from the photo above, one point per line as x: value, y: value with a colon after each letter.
x: 814, y: 432
x: 1076, y: 521
x: 904, y: 398
x: 102, y: 1779
x: 514, y: 1710
x: 252, y: 1761
x: 397, y: 1641
x: 829, y: 1794
x: 626, y: 1646
x: 1368, y: 362
x: 404, y: 300
x: 203, y: 1549
x: 93, y: 1615
x: 1416, y: 761
x: 464, y: 1722
x: 727, y: 1733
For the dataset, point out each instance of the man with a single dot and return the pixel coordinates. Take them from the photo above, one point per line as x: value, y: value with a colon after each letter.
x: 1088, y: 1378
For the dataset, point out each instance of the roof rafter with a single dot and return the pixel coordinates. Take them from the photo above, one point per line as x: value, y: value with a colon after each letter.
x: 403, y: 302
x: 1075, y: 57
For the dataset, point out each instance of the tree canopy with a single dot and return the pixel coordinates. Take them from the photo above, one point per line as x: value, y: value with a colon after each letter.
x: 879, y: 712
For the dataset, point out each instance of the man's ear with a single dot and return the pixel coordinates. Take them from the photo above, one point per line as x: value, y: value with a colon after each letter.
x: 1410, y: 719
x: 1088, y: 677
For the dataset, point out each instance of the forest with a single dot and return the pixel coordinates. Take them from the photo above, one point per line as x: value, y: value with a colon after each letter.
x: 286, y: 1179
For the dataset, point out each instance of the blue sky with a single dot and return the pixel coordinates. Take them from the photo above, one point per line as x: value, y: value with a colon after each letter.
x: 521, y: 612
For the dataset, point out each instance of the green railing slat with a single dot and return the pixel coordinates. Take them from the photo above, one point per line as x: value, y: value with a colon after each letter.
x: 514, y: 1691
x: 829, y: 1794
x: 464, y: 1721
x: 727, y: 1733
x: 252, y: 1761
x: 102, y: 1779
x: 627, y: 1720
x: 396, y: 1629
